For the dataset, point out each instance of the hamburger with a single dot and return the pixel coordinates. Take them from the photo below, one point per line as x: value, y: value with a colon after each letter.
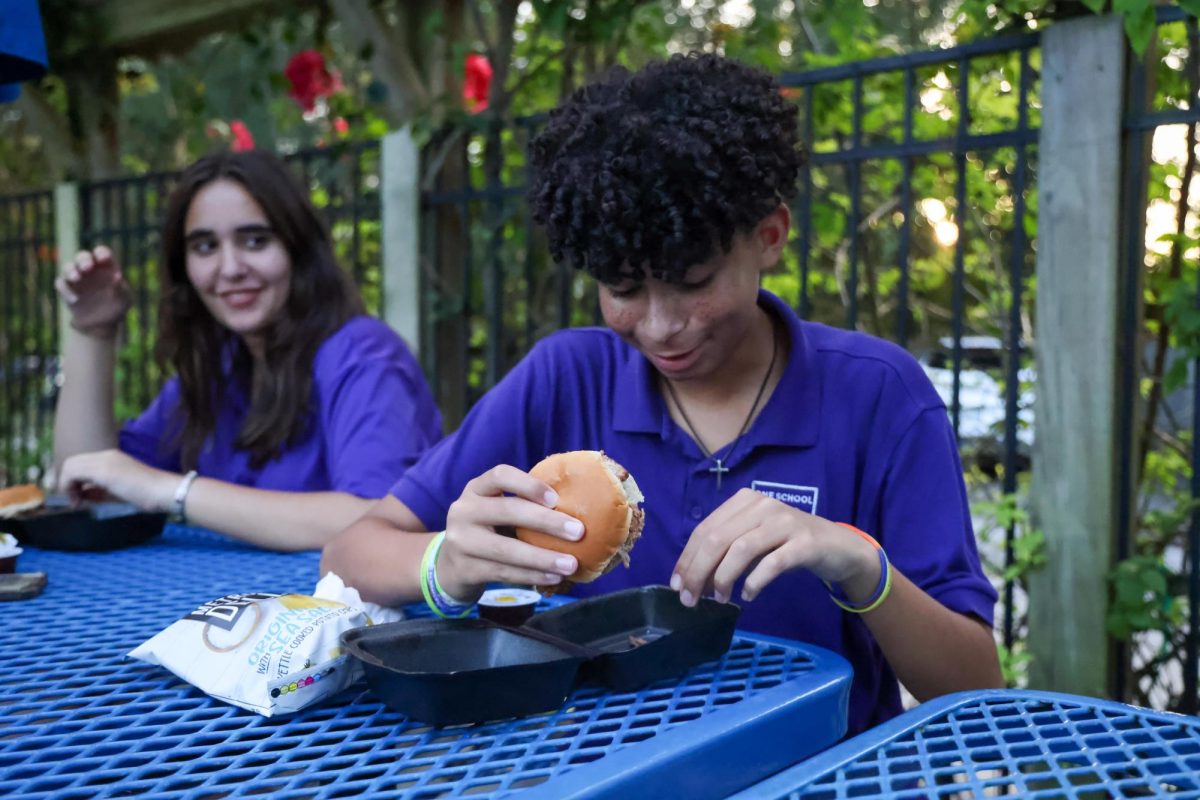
x: 602, y: 495
x: 18, y: 499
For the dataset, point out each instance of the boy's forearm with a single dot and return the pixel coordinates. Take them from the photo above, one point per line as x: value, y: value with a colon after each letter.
x: 933, y: 650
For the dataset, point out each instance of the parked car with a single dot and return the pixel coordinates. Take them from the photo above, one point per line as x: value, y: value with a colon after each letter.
x: 982, y: 405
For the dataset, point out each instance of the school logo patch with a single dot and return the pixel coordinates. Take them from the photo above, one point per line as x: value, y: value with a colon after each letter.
x: 801, y: 497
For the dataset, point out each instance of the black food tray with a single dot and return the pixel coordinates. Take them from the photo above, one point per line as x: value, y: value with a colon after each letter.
x: 99, y: 527
x: 639, y: 636
x: 457, y: 671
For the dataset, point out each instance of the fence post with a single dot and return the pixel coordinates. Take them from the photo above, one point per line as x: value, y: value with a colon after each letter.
x: 67, y: 238
x: 401, y: 198
x: 1077, y: 484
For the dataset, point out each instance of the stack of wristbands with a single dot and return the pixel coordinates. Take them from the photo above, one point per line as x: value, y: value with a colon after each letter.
x: 882, y: 589
x: 439, y: 602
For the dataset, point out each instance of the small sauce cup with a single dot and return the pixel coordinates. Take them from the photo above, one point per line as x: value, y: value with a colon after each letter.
x: 507, y: 606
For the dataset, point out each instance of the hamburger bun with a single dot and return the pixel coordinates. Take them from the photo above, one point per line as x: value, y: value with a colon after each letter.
x: 602, y: 495
x: 18, y: 499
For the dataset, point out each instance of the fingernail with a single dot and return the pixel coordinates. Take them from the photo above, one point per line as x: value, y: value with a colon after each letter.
x: 676, y: 582
x: 746, y: 596
x: 552, y: 577
x: 574, y: 528
x: 566, y: 564
x: 687, y: 598
x: 719, y: 597
x: 551, y: 499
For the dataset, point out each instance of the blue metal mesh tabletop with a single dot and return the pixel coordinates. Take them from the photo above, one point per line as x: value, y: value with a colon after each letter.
x: 78, y: 719
x: 1006, y: 742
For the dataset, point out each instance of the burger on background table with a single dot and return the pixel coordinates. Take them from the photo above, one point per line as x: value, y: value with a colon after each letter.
x: 20, y: 499
x: 15, y: 501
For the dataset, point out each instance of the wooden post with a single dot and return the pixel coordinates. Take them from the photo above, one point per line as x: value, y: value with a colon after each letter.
x: 1076, y: 484
x: 401, y: 198
x: 67, y: 239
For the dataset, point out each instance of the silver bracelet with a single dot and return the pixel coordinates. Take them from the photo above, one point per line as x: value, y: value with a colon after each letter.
x: 178, y: 513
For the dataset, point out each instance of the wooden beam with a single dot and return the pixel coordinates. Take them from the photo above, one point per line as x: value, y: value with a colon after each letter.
x: 400, y: 192
x: 1076, y: 478
x: 149, y: 27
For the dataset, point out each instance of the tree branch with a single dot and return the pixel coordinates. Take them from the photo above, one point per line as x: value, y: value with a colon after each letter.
x: 392, y: 62
x: 51, y: 127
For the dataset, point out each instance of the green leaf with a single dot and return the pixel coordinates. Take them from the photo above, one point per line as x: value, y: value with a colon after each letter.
x: 1176, y: 376
x: 1096, y: 6
x: 1139, y: 25
x: 1191, y: 6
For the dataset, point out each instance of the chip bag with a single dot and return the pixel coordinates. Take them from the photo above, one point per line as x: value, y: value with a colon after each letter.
x: 266, y: 652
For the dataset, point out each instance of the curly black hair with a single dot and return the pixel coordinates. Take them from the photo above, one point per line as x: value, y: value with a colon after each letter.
x: 649, y: 172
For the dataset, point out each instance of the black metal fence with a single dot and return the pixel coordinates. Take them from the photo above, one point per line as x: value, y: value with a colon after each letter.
x: 883, y: 184
x: 1159, y: 530
x: 28, y: 335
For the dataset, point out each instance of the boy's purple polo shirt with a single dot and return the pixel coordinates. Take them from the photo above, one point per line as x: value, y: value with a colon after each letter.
x: 854, y: 433
x: 374, y: 415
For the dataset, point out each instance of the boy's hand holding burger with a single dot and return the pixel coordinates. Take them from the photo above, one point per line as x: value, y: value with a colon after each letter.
x: 575, y: 514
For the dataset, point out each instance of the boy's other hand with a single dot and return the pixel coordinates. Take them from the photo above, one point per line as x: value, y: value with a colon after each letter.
x: 758, y: 536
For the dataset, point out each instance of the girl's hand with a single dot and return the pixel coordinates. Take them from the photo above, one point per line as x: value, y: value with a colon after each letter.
x: 96, y: 292
x: 757, y: 536
x: 121, y: 476
x: 474, y: 552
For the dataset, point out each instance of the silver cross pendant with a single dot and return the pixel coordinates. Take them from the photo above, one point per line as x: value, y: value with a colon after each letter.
x: 719, y: 470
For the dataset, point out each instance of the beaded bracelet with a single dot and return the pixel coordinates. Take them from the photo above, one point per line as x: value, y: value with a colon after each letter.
x: 438, y: 600
x: 882, y: 589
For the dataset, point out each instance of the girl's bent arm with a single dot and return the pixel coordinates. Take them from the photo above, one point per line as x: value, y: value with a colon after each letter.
x: 84, y: 421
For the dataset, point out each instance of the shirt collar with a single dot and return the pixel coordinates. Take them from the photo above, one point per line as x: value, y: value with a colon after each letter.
x: 791, y: 416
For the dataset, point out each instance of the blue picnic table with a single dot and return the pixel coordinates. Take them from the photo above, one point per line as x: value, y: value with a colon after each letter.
x: 1018, y: 743
x: 80, y: 719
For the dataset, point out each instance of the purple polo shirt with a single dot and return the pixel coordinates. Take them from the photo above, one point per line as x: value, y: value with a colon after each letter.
x: 374, y: 415
x: 854, y: 433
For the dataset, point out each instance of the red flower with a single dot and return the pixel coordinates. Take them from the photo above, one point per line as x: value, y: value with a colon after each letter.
x: 310, y: 78
x: 477, y: 83
x: 242, y: 140
x: 340, y: 126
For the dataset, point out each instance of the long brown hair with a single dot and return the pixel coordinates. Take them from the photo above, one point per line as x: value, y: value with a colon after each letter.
x: 207, y: 356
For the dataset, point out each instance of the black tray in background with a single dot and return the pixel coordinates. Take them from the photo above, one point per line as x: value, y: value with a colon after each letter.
x: 676, y: 637
x: 85, y: 528
x: 457, y: 671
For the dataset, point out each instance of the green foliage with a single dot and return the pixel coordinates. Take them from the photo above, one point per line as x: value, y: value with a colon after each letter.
x: 1014, y: 664
x: 999, y: 517
x: 1141, y: 600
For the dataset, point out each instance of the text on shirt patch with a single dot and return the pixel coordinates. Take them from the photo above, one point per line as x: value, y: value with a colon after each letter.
x: 801, y: 497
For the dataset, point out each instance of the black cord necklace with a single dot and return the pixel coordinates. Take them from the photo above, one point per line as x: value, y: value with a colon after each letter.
x: 719, y: 468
